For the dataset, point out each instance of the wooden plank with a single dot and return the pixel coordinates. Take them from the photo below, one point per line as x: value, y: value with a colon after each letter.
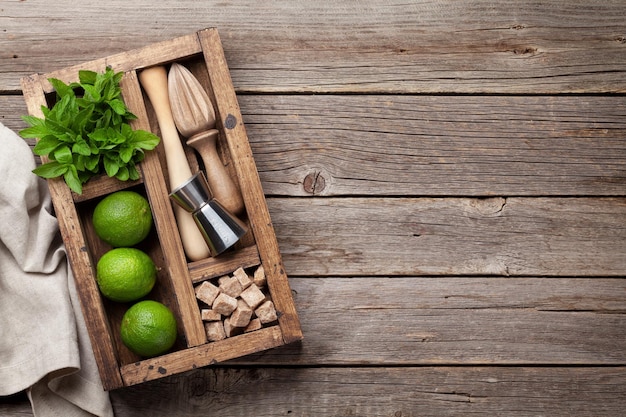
x: 203, y: 355
x: 452, y: 236
x: 226, y: 264
x: 438, y: 145
x: 430, y: 145
x: 453, y: 320
x: 13, y: 108
x: 398, y: 392
x: 445, y: 46
x: 439, y: 391
x: 165, y: 221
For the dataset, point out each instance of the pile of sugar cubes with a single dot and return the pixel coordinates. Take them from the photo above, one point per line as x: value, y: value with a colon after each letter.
x: 236, y: 305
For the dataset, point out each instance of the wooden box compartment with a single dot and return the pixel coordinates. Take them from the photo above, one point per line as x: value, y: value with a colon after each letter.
x: 202, y: 53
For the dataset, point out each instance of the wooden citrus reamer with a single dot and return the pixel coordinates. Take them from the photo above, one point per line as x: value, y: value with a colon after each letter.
x: 195, y: 119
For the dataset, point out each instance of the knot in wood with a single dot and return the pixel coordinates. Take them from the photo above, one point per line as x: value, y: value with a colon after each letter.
x: 230, y: 122
x: 524, y: 50
x: 314, y: 183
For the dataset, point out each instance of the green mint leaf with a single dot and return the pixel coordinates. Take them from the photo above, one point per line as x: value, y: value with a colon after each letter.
x: 87, y: 77
x: 46, y: 145
x: 118, y: 106
x: 79, y: 163
x: 91, y: 93
x: 144, y: 140
x: 81, y: 147
x: 132, y: 172
x: 56, y: 128
x: 91, y: 162
x: 139, y: 156
x: 123, y: 174
x: 105, y: 120
x: 117, y: 77
x: 82, y: 120
x: 116, y: 137
x: 85, y: 176
x: 72, y: 180
x: 61, y: 88
x: 98, y: 137
x: 111, y: 166
x: 34, y: 131
x: 34, y: 121
x: 50, y: 169
x: 110, y: 91
x: 65, y: 110
x: 126, y: 154
x: 64, y: 155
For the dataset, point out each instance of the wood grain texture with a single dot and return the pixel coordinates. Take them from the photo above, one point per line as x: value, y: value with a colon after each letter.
x: 452, y: 236
x: 200, y: 356
x: 438, y: 145
x: 337, y: 145
x: 385, y: 391
x: 446, y: 181
x: 394, y: 392
x: 369, y: 46
x: 369, y: 321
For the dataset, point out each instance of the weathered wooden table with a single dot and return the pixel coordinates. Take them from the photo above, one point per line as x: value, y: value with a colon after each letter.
x: 447, y: 181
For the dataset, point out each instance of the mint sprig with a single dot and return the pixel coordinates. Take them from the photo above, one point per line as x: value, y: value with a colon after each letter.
x: 86, y: 133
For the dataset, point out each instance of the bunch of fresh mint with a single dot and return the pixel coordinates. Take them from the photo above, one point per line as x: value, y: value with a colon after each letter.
x: 86, y: 132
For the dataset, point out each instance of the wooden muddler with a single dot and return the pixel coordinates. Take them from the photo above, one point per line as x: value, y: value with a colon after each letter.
x: 194, y: 116
x: 154, y: 82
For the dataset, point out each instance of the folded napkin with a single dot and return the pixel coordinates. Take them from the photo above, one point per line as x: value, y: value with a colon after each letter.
x: 44, y: 346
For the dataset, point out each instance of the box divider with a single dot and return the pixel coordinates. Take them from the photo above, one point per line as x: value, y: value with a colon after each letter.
x: 165, y: 221
x: 226, y: 263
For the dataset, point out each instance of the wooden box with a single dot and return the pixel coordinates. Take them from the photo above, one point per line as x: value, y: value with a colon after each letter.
x: 202, y: 53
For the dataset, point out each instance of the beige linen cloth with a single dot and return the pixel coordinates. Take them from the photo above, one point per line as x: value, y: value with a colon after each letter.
x: 44, y: 347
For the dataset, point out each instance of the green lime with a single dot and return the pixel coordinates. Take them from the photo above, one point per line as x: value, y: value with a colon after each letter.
x: 122, y: 218
x: 148, y: 328
x: 125, y: 274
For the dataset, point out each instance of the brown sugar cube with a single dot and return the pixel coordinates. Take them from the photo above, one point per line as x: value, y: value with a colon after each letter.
x: 230, y: 285
x: 266, y: 312
x: 242, y: 314
x: 224, y: 304
x: 210, y: 315
x: 253, y: 296
x: 206, y: 292
x: 242, y: 277
x: 230, y: 329
x: 259, y: 277
x: 255, y: 324
x: 215, y: 331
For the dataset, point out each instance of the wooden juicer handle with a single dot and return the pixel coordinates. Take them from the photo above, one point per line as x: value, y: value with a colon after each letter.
x: 154, y: 82
x: 221, y: 184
